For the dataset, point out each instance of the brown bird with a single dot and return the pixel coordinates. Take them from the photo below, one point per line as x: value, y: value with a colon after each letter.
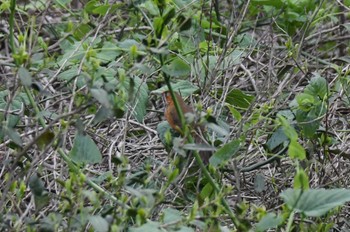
x: 174, y: 121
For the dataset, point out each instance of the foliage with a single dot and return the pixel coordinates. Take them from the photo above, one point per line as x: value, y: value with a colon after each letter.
x: 83, y: 144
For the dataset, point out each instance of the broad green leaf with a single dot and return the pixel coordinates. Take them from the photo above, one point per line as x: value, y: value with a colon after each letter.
x: 162, y: 128
x: 225, y: 153
x: 36, y: 185
x: 277, y: 138
x: 315, y: 202
x: 171, y: 215
x: 235, y: 113
x: 69, y: 74
x: 81, y: 31
x: 99, y: 223
x: 206, y: 191
x: 101, y: 96
x: 158, y: 25
x: 305, y: 101
x: 168, y: 15
x: 259, y: 183
x: 14, y: 136
x: 84, y: 150
x: 296, y: 151
x: 108, y: 52
x: 149, y: 226
x: 301, y: 180
x: 45, y: 139
x: 308, y: 121
x: 177, y: 68
x: 270, y: 220
x: 41, y: 197
x: 288, y: 130
x: 25, y: 76
x: 239, y: 99
x: 317, y: 87
x: 184, y: 87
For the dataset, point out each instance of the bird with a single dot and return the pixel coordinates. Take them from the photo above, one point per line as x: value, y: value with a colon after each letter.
x: 172, y: 116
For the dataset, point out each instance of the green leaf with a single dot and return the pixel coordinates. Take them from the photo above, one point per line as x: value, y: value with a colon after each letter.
x: 108, y: 53
x: 137, y: 91
x: 168, y: 15
x: 84, y: 150
x: 317, y: 87
x: 206, y: 191
x: 149, y: 226
x: 184, y: 87
x: 69, y: 74
x: 315, y: 202
x: 301, y: 180
x: 101, y: 96
x: 305, y: 101
x: 45, y: 139
x: 41, y: 197
x: 270, y: 220
x: 171, y: 215
x: 36, y: 185
x: 235, y: 113
x: 14, y: 136
x: 259, y: 183
x: 296, y: 151
x: 288, y: 130
x: 308, y: 121
x: 277, y: 138
x: 225, y: 153
x: 25, y: 76
x: 239, y: 99
x: 81, y: 31
x: 158, y: 25
x: 99, y: 223
x: 177, y: 68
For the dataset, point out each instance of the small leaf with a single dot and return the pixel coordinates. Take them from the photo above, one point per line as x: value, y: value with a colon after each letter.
x: 317, y: 87
x: 101, y: 96
x: 206, y: 191
x: 168, y: 15
x: 288, y: 130
x: 259, y: 183
x: 14, y: 136
x: 25, y: 76
x: 235, y: 113
x: 315, y: 202
x: 225, y: 153
x: 277, y: 138
x: 305, y: 101
x: 239, y: 99
x: 149, y: 226
x: 109, y: 52
x: 184, y: 87
x: 177, y: 68
x: 81, y: 30
x: 171, y: 215
x: 45, y: 139
x: 270, y: 220
x: 301, y: 180
x: 85, y: 151
x: 36, y: 185
x: 296, y: 151
x: 99, y: 223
